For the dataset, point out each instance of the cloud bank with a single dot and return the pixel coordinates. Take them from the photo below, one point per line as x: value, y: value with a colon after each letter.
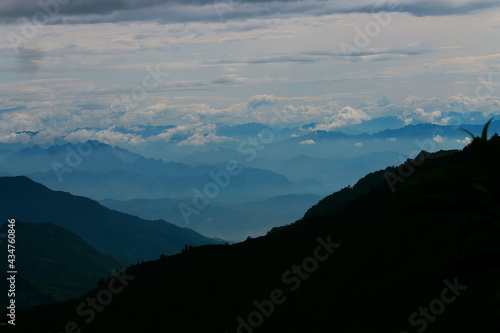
x: 170, y: 11
x: 197, y: 124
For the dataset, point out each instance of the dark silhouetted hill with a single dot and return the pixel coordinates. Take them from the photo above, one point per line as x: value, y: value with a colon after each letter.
x: 56, y: 263
x: 114, y: 233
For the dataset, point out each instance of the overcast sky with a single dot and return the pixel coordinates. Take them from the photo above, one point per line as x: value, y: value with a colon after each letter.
x: 66, y: 65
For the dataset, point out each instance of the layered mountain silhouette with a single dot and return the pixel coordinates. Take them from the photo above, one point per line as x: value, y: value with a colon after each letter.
x: 411, y: 248
x: 101, y: 171
x: 120, y: 235
x: 296, y: 161
x: 230, y: 222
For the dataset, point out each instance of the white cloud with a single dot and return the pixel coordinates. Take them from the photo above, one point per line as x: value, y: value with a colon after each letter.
x: 307, y: 142
x: 15, y: 138
x: 358, y: 144
x: 465, y: 141
x: 407, y: 120
x: 258, y: 109
x: 258, y: 100
x: 198, y: 135
x: 433, y: 117
x: 47, y: 136
x: 438, y: 139
x: 53, y: 121
x: 167, y: 135
x: 487, y: 104
x: 107, y: 136
x: 201, y: 140
x: 430, y: 117
x: 344, y: 117
x: 80, y: 135
x: 392, y: 139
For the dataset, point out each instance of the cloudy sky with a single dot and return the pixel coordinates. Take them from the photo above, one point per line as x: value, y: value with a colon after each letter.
x: 69, y: 65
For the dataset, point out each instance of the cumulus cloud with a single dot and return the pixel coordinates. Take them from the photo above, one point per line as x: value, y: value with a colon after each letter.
x: 358, y: 144
x: 15, y: 138
x: 198, y: 121
x: 465, y: 141
x: 167, y: 135
x: 201, y: 140
x: 259, y: 108
x: 80, y: 135
x: 307, y: 142
x: 344, y: 117
x: 107, y: 136
x: 433, y: 117
x: 258, y: 100
x: 487, y: 104
x: 198, y: 135
x: 438, y: 139
x: 47, y: 136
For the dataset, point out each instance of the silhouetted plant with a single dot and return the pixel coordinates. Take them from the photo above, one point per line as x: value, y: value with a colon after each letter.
x: 486, y: 221
x: 466, y: 190
x: 484, y: 135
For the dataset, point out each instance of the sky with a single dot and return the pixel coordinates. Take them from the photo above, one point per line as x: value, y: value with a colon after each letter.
x: 70, y: 69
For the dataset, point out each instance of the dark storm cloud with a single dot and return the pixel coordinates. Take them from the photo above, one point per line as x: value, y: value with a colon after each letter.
x: 439, y: 8
x: 166, y: 11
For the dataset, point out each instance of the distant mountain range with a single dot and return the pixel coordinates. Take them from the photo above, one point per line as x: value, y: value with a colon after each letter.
x: 101, y: 171
x: 329, y: 161
x: 113, y: 172
x: 230, y: 222
x: 413, y: 247
x: 91, y: 157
